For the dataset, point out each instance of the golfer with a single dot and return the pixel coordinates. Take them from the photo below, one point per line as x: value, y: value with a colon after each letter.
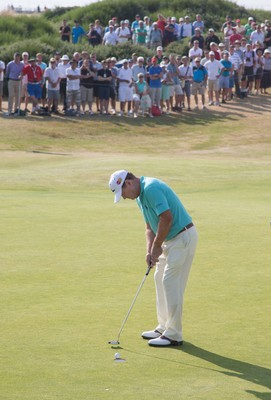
x: 171, y: 239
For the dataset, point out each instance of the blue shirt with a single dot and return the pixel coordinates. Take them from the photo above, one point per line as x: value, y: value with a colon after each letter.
x: 155, y: 83
x: 199, y: 74
x: 155, y: 198
x: 226, y: 64
x: 77, y: 31
x: 173, y: 69
x: 14, y: 70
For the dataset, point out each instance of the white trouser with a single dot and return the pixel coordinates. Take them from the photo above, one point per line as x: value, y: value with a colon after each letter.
x: 170, y: 278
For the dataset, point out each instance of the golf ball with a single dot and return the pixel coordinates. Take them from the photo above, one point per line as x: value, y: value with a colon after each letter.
x: 117, y: 356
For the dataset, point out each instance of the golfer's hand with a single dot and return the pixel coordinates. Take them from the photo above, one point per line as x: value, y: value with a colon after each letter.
x: 156, y: 252
x: 148, y: 260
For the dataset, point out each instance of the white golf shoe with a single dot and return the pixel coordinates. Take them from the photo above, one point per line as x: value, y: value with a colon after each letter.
x: 151, y: 334
x: 163, y: 341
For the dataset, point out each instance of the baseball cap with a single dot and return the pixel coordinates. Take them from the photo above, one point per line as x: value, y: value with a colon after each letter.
x: 267, y: 51
x: 115, y: 183
x: 65, y: 57
x: 211, y: 30
x: 159, y: 48
x: 211, y: 53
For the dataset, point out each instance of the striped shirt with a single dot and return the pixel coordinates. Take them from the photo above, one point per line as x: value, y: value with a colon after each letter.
x: 236, y: 61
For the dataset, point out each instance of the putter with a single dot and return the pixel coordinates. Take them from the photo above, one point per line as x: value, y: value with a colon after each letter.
x: 116, y: 342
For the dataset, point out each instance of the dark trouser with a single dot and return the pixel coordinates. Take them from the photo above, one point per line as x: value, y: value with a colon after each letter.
x: 63, y: 91
x: 236, y: 83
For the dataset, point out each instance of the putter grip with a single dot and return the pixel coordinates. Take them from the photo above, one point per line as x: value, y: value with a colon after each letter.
x: 148, y: 270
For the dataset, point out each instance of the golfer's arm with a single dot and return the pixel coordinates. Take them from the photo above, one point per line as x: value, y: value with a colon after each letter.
x: 149, y: 238
x: 165, y: 222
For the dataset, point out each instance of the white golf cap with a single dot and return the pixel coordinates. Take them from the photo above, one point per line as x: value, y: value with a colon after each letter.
x: 115, y: 183
x: 65, y: 58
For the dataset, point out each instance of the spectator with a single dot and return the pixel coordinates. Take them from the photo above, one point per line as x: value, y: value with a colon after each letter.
x: 197, y: 36
x: 195, y: 52
x: 267, y: 39
x: 63, y: 66
x: 211, y: 38
x: 176, y: 28
x: 214, y: 69
x: 213, y: 47
x: 34, y: 82
x: 125, y: 79
x: 198, y: 24
x: 135, y: 25
x: 94, y: 37
x: 224, y: 80
x: 43, y: 67
x: 13, y: 72
x: 104, y: 77
x: 228, y: 31
x: 169, y: 35
x: 205, y: 58
x: 110, y: 37
x: 123, y: 32
x: 257, y: 36
x: 187, y: 29
x: 221, y: 48
x: 240, y: 29
x: 186, y: 75
x: 175, y: 89
x: 110, y: 23
x: 65, y: 31
x: 156, y: 74
x: 53, y: 78
x: 237, y: 50
x: 237, y: 69
x: 148, y: 28
x: 96, y: 66
x: 142, y: 94
x: 113, y: 83
x: 266, y: 79
x: 73, y: 74
x: 57, y: 57
x: 199, y: 83
x: 258, y: 70
x: 138, y: 68
x: 24, y: 92
x: 235, y: 36
x: 249, y: 27
x: 99, y: 29
x: 161, y: 23
x: 2, y: 70
x: 141, y: 33
x: 249, y: 65
x: 228, y: 21
x: 77, y: 32
x: 167, y: 82
x: 86, y: 86
x: 156, y: 36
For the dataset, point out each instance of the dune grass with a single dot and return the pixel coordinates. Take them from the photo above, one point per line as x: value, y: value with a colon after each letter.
x: 71, y: 261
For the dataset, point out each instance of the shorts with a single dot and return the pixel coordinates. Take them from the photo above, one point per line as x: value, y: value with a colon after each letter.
x: 73, y: 95
x: 224, y: 82
x: 53, y: 94
x: 165, y: 92
x: 187, y: 88
x: 176, y: 89
x: 136, y: 97
x: 34, y: 90
x: 86, y: 94
x: 198, y: 88
x: 112, y: 93
x: 213, y: 85
x: 1, y: 88
x: 125, y: 93
x: 104, y: 92
x: 248, y: 74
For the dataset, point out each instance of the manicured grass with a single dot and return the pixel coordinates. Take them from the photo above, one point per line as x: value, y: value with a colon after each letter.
x: 71, y: 263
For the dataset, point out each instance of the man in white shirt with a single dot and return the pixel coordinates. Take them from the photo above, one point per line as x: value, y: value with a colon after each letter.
x: 257, y: 36
x: 123, y: 32
x: 73, y: 87
x: 2, y: 69
x: 110, y: 38
x: 195, y: 52
x: 125, y: 79
x: 53, y: 78
x: 63, y: 66
x: 214, y: 69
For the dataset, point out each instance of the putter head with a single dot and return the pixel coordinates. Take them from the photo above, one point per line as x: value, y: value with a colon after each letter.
x: 114, y: 342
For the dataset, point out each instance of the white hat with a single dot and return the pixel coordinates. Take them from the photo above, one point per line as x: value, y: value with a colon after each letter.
x: 65, y: 58
x: 211, y: 53
x: 115, y: 183
x: 159, y: 48
x: 267, y: 51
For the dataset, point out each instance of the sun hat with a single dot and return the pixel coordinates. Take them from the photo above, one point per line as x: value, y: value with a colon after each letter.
x: 52, y: 60
x: 115, y: 183
x: 65, y: 58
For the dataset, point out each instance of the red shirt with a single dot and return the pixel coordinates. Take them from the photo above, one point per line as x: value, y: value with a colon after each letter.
x: 234, y: 37
x: 34, y: 73
x: 161, y: 25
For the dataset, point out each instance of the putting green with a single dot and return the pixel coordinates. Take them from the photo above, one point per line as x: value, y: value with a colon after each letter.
x: 71, y: 262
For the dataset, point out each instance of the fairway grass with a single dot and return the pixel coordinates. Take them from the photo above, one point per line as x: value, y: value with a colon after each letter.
x: 71, y: 262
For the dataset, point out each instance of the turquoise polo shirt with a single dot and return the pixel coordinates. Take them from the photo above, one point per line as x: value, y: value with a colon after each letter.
x: 155, y: 198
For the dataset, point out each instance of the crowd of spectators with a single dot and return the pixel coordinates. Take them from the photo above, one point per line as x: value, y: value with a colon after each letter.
x: 234, y: 62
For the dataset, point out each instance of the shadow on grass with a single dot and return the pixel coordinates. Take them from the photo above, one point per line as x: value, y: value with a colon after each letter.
x: 235, y: 368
